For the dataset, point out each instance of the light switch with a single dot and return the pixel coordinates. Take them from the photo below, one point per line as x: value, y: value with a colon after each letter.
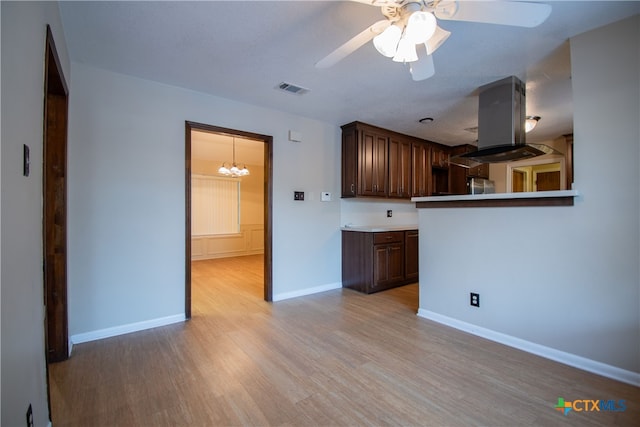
x: 326, y: 196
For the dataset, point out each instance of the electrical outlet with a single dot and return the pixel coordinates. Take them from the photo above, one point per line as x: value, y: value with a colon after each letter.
x: 389, y: 213
x: 298, y: 195
x: 474, y: 299
x: 29, y: 416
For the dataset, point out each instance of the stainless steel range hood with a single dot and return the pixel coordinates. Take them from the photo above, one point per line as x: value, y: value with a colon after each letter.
x: 501, y: 125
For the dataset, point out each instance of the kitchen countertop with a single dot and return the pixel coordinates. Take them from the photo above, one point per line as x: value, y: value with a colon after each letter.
x: 378, y: 228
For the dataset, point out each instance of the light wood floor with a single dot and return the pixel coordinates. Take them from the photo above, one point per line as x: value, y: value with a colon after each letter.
x: 337, y: 358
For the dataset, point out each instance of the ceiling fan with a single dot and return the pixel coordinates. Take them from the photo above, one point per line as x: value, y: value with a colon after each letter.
x: 411, y: 24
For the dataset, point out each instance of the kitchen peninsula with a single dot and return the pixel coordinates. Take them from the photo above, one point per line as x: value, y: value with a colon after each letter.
x: 535, y: 198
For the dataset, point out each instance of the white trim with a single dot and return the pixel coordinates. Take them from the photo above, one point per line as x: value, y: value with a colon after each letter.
x: 579, y: 362
x: 308, y: 291
x: 126, y: 329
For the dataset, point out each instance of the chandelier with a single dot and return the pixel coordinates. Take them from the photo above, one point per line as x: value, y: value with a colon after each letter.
x: 234, y: 171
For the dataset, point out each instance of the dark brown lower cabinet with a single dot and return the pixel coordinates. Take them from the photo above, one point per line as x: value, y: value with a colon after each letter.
x: 375, y: 261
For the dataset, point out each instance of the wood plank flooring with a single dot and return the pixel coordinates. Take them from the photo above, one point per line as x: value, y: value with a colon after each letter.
x: 333, y: 359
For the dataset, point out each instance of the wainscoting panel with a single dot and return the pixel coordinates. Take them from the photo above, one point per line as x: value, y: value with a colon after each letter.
x: 250, y: 241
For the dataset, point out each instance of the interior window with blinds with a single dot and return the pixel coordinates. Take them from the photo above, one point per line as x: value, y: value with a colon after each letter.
x: 215, y: 205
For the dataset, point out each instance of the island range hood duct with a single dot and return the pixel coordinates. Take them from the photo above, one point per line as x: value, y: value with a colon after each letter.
x: 501, y: 125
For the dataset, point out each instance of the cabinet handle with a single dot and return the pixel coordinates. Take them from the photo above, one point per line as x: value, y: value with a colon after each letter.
x: 353, y: 189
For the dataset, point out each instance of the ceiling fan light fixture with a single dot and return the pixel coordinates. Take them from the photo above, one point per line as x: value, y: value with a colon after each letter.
x: 420, y: 27
x: 437, y: 39
x: 387, y: 42
x: 406, y: 51
x: 422, y: 69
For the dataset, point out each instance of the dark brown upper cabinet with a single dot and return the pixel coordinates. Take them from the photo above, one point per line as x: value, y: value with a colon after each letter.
x: 381, y: 163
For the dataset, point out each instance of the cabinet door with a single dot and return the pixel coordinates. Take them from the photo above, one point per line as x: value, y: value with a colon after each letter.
x: 399, y: 168
x: 480, y: 171
x: 439, y: 157
x: 396, y: 262
x: 372, y: 180
x: 388, y: 265
x: 421, y: 170
x: 349, y: 162
x: 458, y: 181
x: 411, y: 260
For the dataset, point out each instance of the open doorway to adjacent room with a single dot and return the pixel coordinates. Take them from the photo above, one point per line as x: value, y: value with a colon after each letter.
x: 228, y: 217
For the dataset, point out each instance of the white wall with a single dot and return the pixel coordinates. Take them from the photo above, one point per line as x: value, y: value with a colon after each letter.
x: 365, y: 211
x: 562, y: 277
x: 126, y: 197
x: 23, y: 352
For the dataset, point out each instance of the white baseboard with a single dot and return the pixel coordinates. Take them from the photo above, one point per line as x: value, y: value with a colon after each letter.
x: 307, y: 291
x: 125, y: 329
x: 579, y: 362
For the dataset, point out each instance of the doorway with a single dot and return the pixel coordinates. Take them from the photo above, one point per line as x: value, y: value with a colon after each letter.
x: 536, y: 175
x: 54, y: 189
x: 267, y: 142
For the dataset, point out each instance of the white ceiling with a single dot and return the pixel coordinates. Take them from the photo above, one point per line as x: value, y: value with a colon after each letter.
x: 242, y: 50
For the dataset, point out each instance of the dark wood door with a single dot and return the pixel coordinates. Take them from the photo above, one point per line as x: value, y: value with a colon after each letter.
x: 517, y: 181
x: 399, y: 168
x: 372, y: 179
x: 421, y: 170
x: 548, y: 181
x: 55, y: 206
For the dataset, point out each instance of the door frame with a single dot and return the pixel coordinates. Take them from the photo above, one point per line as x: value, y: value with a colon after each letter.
x: 54, y: 207
x: 550, y: 159
x: 267, y: 140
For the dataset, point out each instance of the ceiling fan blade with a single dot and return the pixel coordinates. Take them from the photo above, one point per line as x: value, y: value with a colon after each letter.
x: 352, y: 45
x: 375, y: 2
x: 423, y: 68
x: 519, y: 14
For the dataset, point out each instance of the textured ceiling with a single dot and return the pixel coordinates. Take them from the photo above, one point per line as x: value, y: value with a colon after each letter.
x: 242, y: 50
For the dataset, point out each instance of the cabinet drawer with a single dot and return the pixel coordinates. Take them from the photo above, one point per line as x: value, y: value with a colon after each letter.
x: 388, y: 237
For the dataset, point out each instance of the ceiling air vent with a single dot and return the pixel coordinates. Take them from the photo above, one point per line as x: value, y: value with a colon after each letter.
x: 291, y: 88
